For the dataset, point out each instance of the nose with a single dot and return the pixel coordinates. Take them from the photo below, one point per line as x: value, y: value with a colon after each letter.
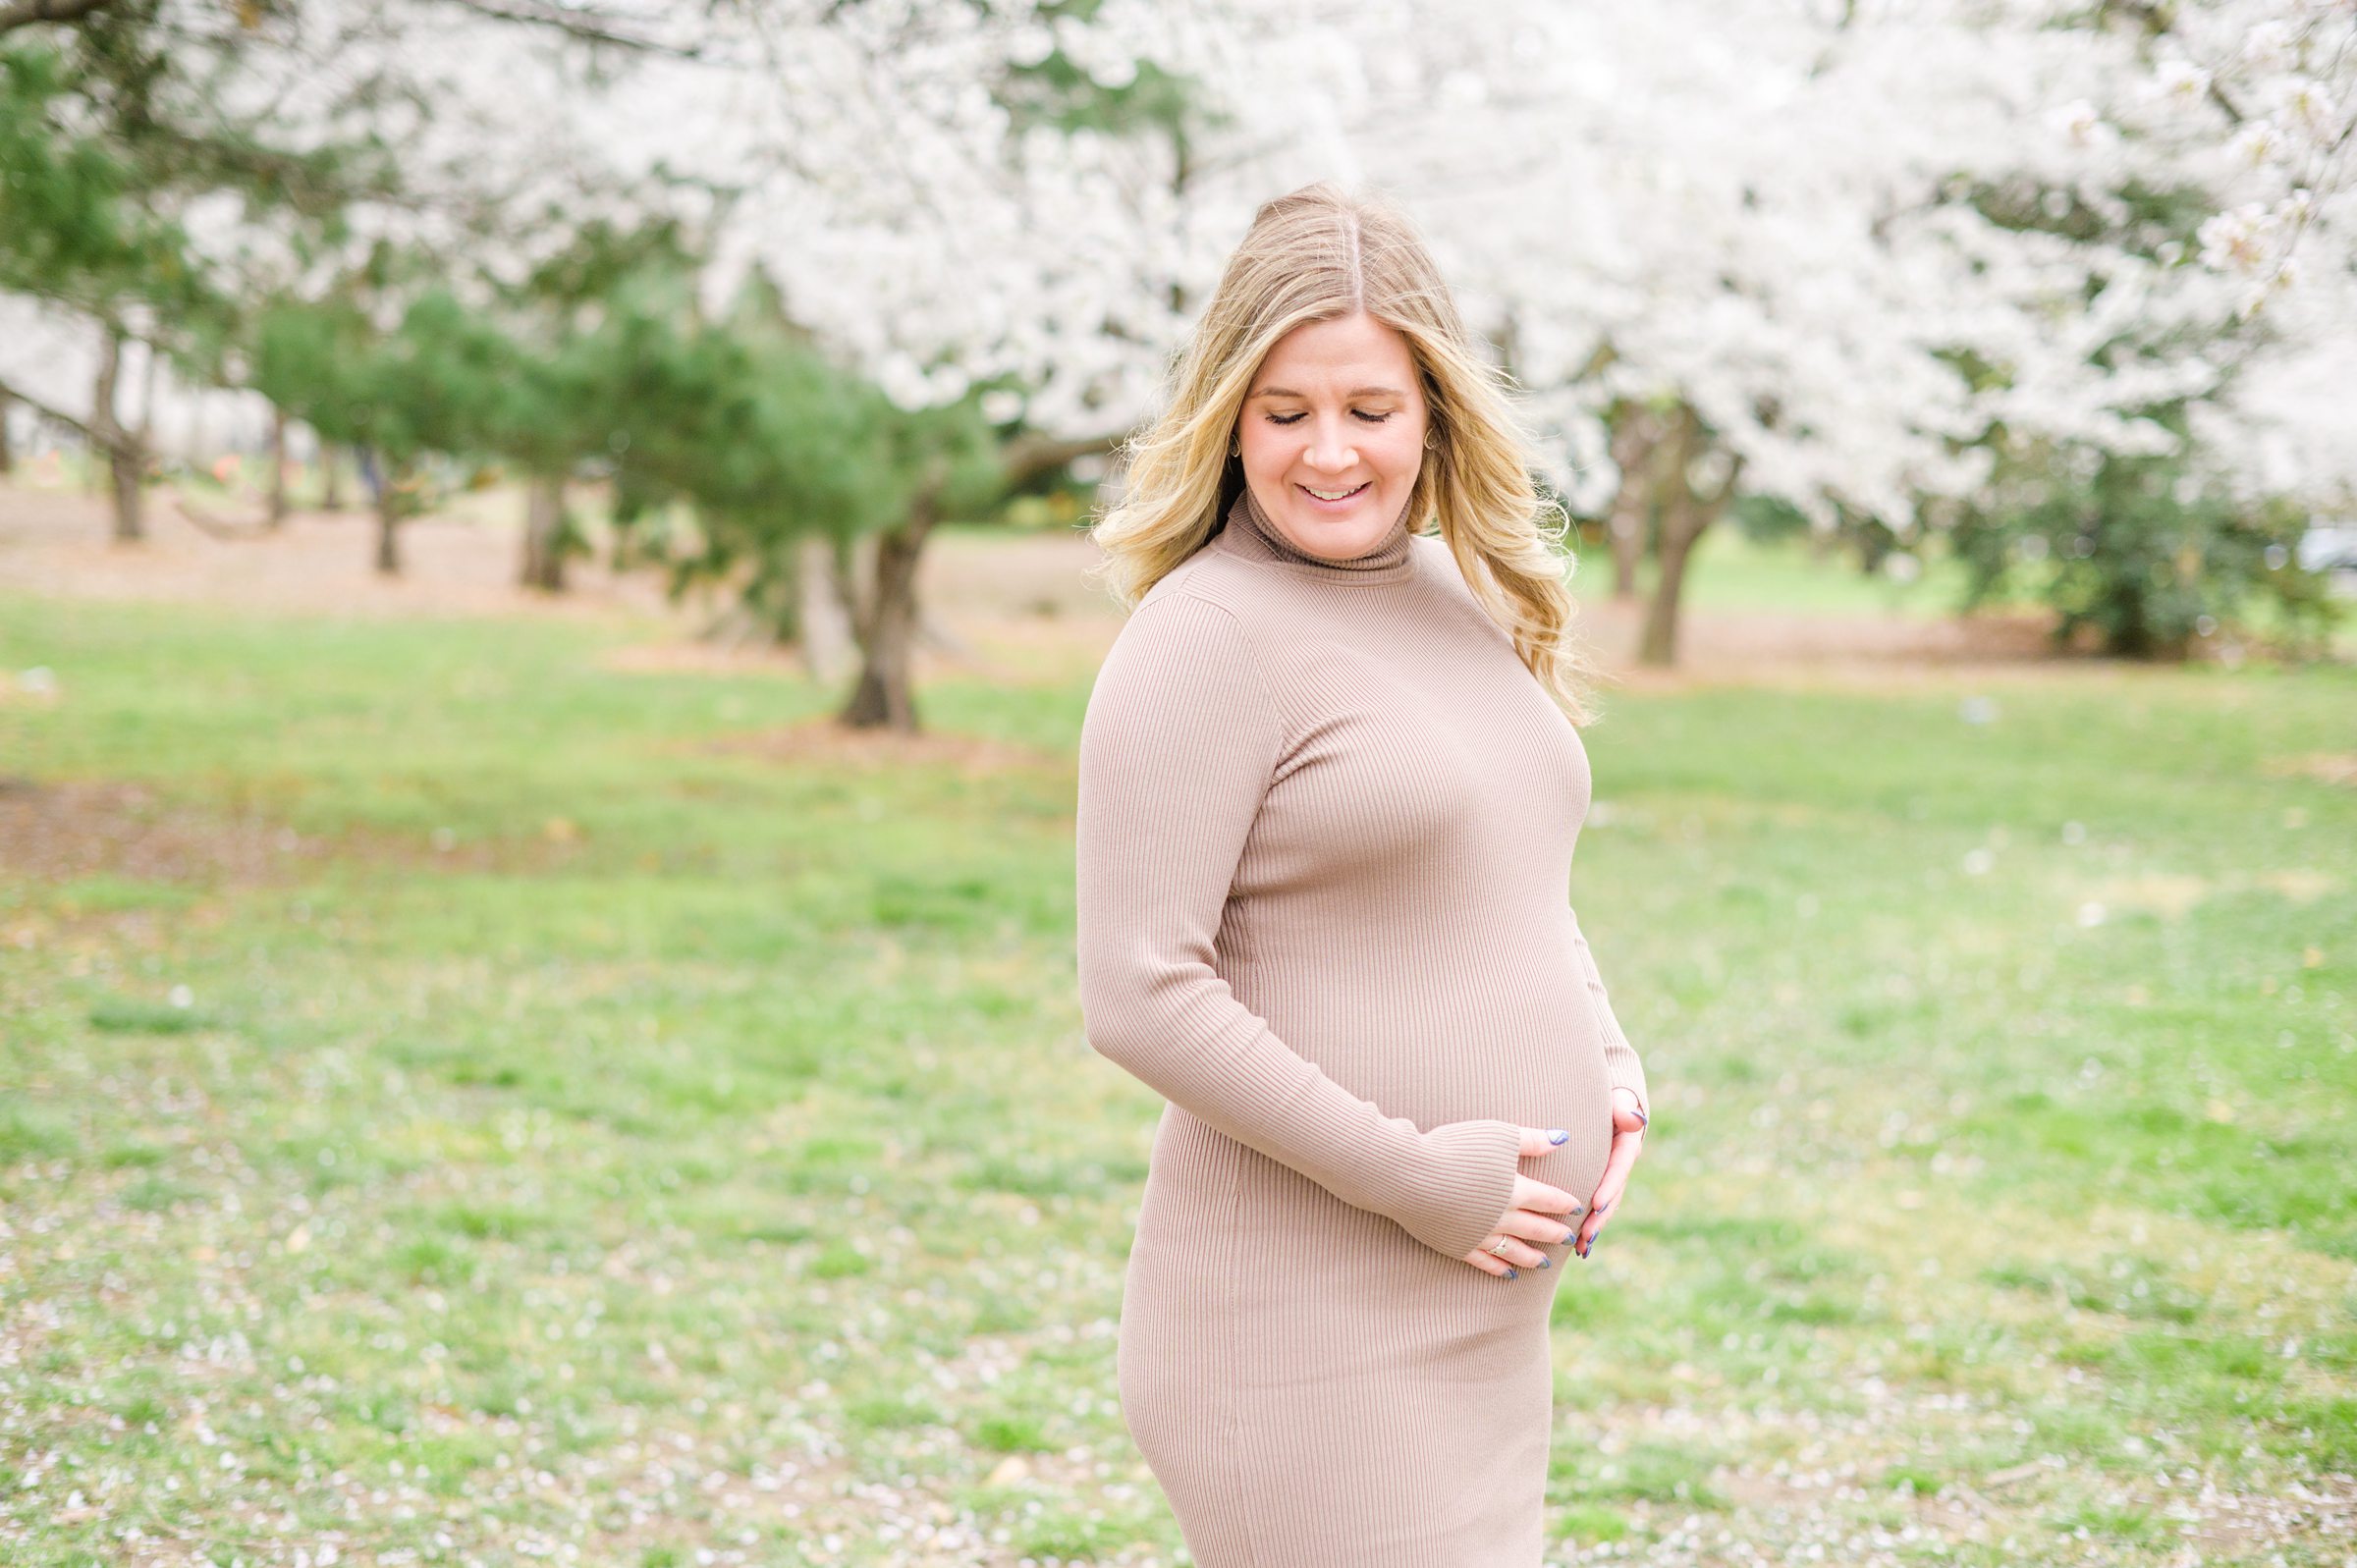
x: 1329, y: 449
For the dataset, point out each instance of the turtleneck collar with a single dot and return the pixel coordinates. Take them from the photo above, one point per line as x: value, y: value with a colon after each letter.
x: 1251, y: 534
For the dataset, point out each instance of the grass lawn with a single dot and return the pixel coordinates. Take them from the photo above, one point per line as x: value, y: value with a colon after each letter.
x: 461, y: 1103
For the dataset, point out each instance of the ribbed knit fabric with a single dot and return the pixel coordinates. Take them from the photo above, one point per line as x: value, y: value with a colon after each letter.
x: 1324, y: 833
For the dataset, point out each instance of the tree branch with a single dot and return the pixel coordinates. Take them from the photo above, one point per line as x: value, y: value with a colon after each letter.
x: 589, y: 27
x: 1029, y: 456
x: 24, y: 13
x: 51, y: 411
x: 255, y: 527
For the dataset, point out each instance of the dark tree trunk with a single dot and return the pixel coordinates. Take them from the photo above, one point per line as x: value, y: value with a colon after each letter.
x: 279, y: 505
x: 119, y: 447
x: 124, y: 469
x: 545, y: 534
x: 8, y: 453
x: 1635, y: 441
x: 1629, y: 547
x: 388, y: 523
x: 1682, y: 522
x: 1685, y: 516
x: 885, y: 621
x: 885, y: 625
x: 331, y: 477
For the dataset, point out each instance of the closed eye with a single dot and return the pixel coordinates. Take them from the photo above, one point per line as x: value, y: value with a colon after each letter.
x: 1295, y: 419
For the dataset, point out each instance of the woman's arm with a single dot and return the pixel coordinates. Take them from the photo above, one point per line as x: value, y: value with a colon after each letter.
x: 1176, y: 749
x: 1621, y: 1061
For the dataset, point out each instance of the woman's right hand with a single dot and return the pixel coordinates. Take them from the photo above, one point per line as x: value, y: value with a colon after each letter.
x: 1536, y: 1216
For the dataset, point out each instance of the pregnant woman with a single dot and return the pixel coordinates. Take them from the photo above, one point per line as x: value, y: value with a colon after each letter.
x: 1329, y: 789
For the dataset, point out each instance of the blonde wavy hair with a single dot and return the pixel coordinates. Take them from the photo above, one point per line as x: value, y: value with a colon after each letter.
x: 1317, y: 254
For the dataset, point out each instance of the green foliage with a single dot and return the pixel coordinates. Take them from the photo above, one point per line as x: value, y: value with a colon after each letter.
x: 2137, y: 549
x: 747, y: 422
x: 69, y: 229
x: 112, y: 130
x: 742, y: 417
x: 445, y: 380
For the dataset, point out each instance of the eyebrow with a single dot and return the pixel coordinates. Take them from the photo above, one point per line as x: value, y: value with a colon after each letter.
x: 1354, y: 392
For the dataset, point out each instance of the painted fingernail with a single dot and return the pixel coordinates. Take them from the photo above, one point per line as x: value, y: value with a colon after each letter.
x: 1556, y: 1135
x: 1572, y: 1235
x: 1545, y: 1262
x: 1510, y: 1275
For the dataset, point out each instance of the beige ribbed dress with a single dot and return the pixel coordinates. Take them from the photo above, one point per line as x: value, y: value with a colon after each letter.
x: 1325, y: 828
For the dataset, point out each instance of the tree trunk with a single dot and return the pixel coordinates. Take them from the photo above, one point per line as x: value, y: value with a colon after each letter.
x: 1685, y: 516
x: 331, y: 477
x: 116, y: 445
x: 279, y: 506
x: 1634, y: 442
x: 388, y: 523
x: 124, y: 469
x: 1682, y: 522
x: 885, y: 626
x: 1628, y: 546
x: 8, y: 453
x: 544, y: 534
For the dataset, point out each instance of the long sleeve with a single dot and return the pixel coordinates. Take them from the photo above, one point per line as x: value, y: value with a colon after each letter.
x: 1620, y: 1057
x: 1179, y: 742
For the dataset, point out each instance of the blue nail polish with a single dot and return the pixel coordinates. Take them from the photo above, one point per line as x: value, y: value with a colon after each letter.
x: 1556, y: 1135
x: 1546, y: 1263
x: 1572, y: 1235
x: 1510, y: 1275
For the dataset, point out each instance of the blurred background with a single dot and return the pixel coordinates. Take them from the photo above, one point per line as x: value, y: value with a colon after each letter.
x: 543, y: 636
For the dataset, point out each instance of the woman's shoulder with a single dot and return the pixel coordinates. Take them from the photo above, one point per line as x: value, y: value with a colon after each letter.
x: 1189, y: 655
x: 1214, y: 577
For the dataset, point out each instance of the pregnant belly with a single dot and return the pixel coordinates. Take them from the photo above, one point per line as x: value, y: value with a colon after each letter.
x: 1515, y: 1038
x: 1517, y: 1049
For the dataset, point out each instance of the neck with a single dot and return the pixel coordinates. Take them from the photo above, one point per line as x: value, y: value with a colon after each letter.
x: 1250, y: 527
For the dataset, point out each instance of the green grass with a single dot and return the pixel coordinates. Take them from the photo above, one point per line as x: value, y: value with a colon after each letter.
x: 609, y: 1140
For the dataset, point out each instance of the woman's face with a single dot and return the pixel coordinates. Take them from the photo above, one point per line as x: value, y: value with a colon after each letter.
x: 1336, y: 411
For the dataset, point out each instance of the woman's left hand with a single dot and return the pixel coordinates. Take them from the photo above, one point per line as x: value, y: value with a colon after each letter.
x: 1628, y: 1139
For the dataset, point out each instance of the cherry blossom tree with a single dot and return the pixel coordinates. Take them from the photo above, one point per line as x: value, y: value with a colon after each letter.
x: 2255, y: 102
x: 1814, y: 253
x: 1837, y: 257
x: 2269, y: 87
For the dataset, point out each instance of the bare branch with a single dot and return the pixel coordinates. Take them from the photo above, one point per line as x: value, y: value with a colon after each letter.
x: 255, y: 527
x: 24, y: 13
x: 590, y: 27
x: 1029, y: 456
x: 48, y: 411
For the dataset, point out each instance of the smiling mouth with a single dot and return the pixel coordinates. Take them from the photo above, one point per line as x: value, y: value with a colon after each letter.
x: 1339, y: 495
